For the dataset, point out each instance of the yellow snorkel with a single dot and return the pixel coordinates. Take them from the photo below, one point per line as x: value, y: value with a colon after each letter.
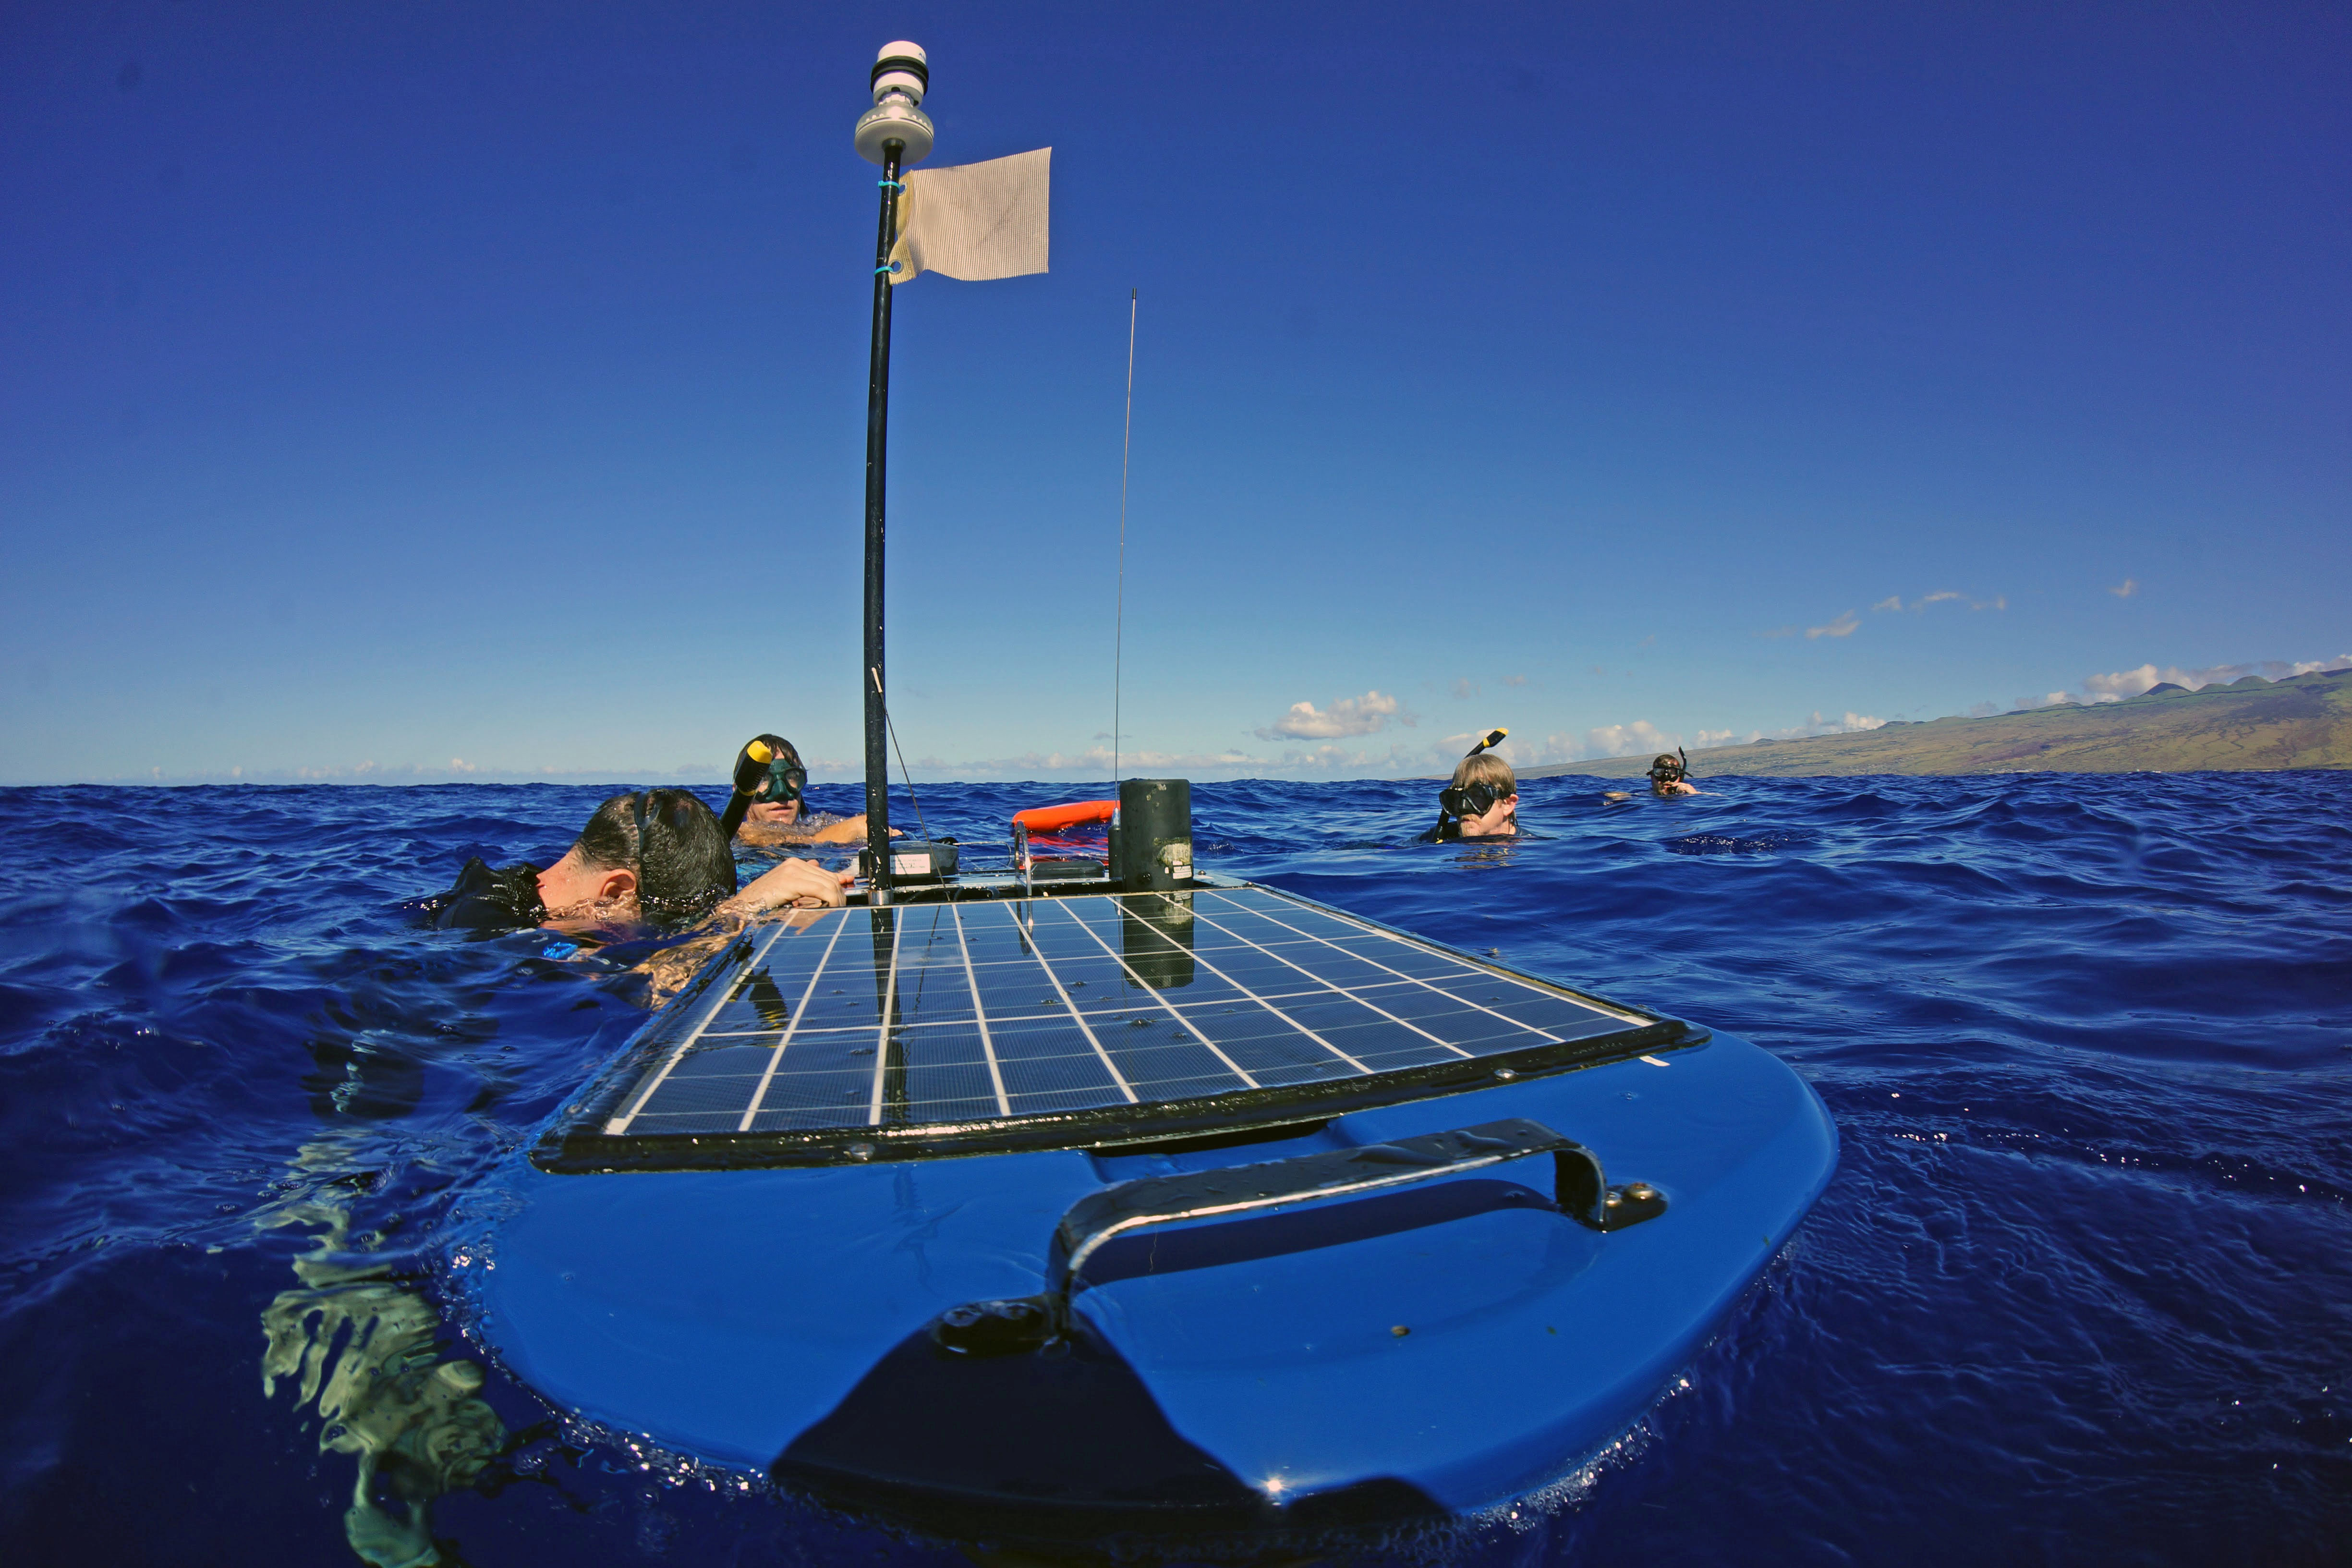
x: 750, y: 767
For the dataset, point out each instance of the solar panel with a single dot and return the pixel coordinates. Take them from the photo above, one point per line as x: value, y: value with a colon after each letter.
x: 1069, y: 1021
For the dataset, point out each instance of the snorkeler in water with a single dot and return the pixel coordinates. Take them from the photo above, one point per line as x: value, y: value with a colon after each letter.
x: 780, y: 811
x: 652, y: 857
x: 1483, y: 801
x: 1670, y: 774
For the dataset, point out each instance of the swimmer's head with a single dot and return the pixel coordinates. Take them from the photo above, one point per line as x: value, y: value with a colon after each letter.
x: 658, y: 851
x: 1666, y: 770
x: 777, y: 798
x: 1479, y: 782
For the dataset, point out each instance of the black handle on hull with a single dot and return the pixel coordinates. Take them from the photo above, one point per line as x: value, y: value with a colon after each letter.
x: 1580, y: 1192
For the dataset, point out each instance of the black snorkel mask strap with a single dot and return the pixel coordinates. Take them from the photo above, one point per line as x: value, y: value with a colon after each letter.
x: 1445, y: 815
x: 644, y: 807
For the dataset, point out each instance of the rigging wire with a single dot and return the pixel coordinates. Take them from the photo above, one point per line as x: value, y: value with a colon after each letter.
x: 1119, y: 614
x: 924, y: 827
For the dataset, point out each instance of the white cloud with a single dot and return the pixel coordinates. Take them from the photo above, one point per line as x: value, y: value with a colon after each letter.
x: 2117, y: 685
x: 2047, y: 700
x: 1365, y: 715
x: 1847, y: 624
x: 1848, y: 723
x: 2127, y: 588
x: 1328, y: 760
x: 1947, y: 596
x: 1463, y: 690
x: 1642, y: 738
x: 1607, y: 741
x: 1515, y: 681
x: 1095, y: 763
x: 1984, y: 710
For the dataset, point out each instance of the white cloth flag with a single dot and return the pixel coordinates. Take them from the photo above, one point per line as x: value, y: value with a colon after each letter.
x: 974, y: 221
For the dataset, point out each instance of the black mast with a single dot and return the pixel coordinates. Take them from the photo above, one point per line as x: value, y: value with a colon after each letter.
x: 894, y: 132
x: 877, y: 440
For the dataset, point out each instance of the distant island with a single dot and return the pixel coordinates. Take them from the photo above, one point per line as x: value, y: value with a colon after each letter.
x: 2305, y: 722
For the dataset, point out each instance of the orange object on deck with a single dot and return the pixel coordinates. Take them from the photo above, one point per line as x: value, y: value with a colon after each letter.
x: 1050, y: 818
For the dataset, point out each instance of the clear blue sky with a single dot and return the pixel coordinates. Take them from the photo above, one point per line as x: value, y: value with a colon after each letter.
x: 442, y: 388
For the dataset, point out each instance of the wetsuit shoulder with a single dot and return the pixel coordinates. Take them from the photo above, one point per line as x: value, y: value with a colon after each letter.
x: 486, y: 898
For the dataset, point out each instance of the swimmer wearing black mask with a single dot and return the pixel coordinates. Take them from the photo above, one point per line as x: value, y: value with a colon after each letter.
x: 1483, y: 801
x: 777, y: 811
x: 1670, y: 773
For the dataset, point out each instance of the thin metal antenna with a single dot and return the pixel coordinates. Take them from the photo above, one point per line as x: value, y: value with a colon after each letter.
x: 1119, y: 620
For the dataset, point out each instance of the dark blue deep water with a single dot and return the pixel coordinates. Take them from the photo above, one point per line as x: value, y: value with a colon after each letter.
x: 2081, y: 1291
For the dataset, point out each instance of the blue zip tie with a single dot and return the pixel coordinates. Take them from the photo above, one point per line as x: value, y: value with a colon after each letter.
x: 892, y: 268
x: 893, y: 184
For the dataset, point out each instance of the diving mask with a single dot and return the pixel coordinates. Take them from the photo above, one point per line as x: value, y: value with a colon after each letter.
x: 782, y: 783
x: 1469, y: 800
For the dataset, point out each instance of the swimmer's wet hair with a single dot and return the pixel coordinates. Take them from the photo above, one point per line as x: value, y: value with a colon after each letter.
x: 1487, y: 769
x: 686, y: 865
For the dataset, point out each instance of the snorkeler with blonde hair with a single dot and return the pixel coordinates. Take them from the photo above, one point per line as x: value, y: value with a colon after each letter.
x: 1483, y: 801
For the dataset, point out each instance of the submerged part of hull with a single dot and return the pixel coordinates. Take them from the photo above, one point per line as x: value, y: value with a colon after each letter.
x: 990, y: 1446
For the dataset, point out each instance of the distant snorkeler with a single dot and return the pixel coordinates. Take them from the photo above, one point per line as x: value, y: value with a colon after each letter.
x: 780, y: 811
x: 1669, y: 774
x: 649, y: 857
x: 1483, y: 801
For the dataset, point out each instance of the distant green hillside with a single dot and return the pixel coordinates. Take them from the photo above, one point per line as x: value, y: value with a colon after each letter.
x: 2305, y: 722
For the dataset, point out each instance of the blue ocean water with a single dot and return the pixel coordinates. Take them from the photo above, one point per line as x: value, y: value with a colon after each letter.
x: 2081, y: 1290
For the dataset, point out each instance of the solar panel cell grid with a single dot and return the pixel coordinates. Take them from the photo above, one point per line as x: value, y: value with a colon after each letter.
x: 969, y: 1011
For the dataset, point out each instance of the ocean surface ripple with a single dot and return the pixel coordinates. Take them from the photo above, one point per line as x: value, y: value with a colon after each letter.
x: 2081, y: 1290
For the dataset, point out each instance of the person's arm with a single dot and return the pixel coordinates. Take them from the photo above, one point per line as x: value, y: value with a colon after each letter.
x: 849, y: 830
x: 803, y: 884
